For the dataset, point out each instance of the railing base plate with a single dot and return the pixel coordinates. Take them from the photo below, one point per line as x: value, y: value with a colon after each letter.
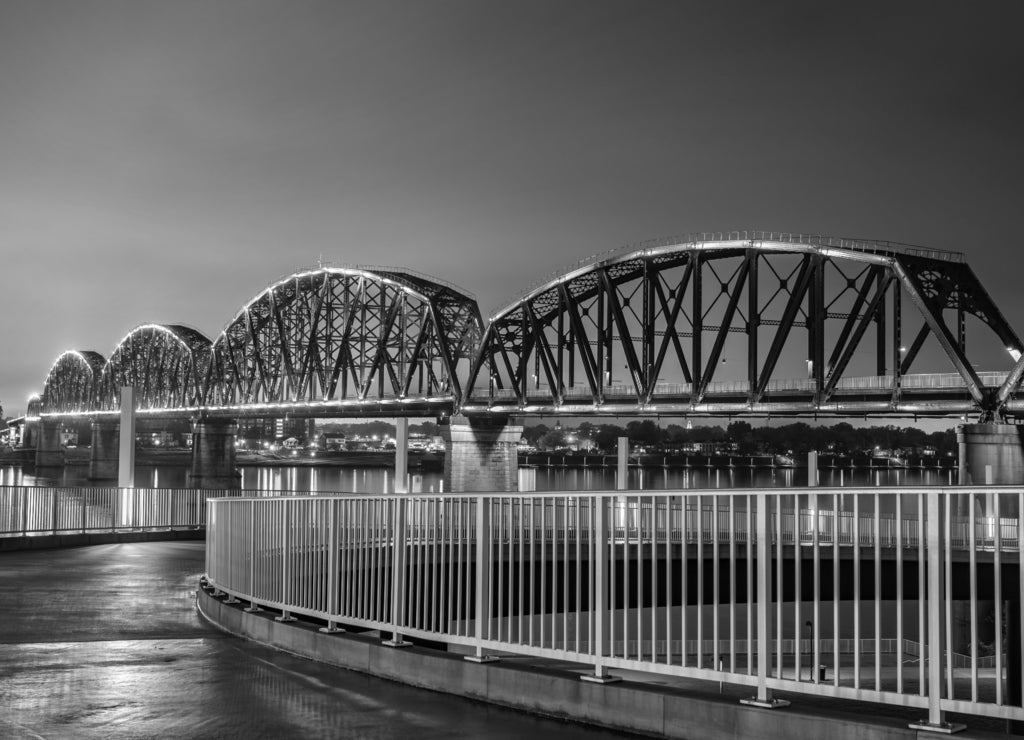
x: 284, y: 619
x: 396, y: 643
x: 945, y: 728
x: 765, y: 703
x: 231, y: 600
x: 330, y: 630
x: 250, y: 609
x: 591, y: 678
x: 481, y: 658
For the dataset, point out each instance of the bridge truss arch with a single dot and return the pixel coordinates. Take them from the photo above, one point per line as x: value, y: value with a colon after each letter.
x: 166, y: 364
x: 745, y: 323
x: 347, y: 341
x: 72, y: 383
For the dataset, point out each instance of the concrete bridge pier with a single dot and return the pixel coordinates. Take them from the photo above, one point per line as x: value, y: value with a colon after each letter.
x: 49, y: 451
x: 481, y: 455
x: 103, y: 459
x: 213, y: 455
x: 990, y: 454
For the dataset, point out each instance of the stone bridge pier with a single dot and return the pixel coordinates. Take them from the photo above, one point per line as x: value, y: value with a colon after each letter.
x: 103, y: 458
x: 49, y: 450
x: 480, y: 454
x: 990, y: 454
x: 214, y: 463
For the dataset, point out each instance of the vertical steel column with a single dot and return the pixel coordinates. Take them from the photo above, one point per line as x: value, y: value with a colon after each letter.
x: 697, y: 322
x: 599, y: 598
x: 398, y: 576
x: 817, y: 320
x: 897, y: 338
x: 883, y: 277
x: 126, y: 443
x: 402, y: 455
x: 764, y: 596
x: 753, y: 322
x: 622, y: 469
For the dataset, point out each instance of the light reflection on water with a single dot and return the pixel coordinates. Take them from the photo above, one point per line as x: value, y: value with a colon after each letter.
x: 376, y: 480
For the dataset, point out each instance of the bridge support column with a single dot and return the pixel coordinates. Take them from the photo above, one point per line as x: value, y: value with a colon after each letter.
x: 622, y: 468
x: 401, y: 455
x: 213, y: 455
x: 49, y: 452
x: 104, y: 454
x: 481, y: 455
x: 990, y: 454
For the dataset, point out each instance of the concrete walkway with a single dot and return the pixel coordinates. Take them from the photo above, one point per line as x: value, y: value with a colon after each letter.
x: 105, y: 642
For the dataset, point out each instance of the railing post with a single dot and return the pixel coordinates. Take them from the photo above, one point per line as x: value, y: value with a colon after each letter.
x: 333, y: 545
x: 252, y: 553
x: 935, y: 721
x: 483, y: 565
x: 253, y: 605
x: 599, y: 639
x: 286, y: 616
x: 398, y: 580
x: 764, y: 596
x: 53, y: 510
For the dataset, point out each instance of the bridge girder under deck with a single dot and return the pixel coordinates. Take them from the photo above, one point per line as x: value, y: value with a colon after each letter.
x: 746, y: 323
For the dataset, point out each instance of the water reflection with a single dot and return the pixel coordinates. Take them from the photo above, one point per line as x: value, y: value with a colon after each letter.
x: 377, y: 480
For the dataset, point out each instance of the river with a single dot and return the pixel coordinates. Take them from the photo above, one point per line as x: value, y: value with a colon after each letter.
x: 375, y: 480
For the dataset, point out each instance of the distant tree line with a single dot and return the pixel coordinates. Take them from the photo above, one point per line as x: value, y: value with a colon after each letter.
x: 797, y: 437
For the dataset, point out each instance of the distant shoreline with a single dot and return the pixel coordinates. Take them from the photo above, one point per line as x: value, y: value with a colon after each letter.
x: 182, y: 457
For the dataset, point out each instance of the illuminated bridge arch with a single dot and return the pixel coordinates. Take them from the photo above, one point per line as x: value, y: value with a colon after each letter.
x: 338, y: 341
x: 72, y: 384
x: 746, y: 322
x: 166, y: 364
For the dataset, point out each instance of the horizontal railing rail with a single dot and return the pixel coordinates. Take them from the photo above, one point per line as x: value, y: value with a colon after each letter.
x: 39, y: 510
x: 701, y: 584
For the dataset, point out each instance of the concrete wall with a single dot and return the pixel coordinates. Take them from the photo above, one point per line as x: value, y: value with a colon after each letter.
x: 627, y: 706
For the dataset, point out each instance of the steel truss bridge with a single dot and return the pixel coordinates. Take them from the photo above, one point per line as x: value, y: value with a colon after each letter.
x: 743, y: 323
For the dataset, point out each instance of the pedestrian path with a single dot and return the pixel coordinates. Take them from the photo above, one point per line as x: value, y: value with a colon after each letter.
x: 105, y: 642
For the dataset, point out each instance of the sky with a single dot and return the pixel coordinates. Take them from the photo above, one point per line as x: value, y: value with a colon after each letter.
x: 162, y: 162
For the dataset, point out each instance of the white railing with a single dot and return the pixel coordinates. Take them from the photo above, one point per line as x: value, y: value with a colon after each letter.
x: 657, y: 582
x: 37, y: 510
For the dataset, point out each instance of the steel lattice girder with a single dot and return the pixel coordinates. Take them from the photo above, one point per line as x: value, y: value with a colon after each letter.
x: 167, y: 364
x: 72, y: 384
x: 648, y: 309
x: 345, y: 334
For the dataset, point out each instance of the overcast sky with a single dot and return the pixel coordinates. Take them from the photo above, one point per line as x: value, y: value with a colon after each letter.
x: 163, y: 161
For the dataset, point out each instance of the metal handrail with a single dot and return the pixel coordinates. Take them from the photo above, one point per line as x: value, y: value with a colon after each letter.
x: 597, y: 578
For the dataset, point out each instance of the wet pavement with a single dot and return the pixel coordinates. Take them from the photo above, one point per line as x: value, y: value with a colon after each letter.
x: 105, y: 642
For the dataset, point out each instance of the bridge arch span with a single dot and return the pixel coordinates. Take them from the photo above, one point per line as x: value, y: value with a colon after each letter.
x: 347, y: 340
x: 166, y: 363
x: 743, y: 323
x: 71, y: 384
